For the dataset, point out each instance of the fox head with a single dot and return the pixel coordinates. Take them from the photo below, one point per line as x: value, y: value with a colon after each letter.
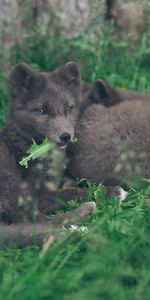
x: 100, y: 92
x: 45, y: 104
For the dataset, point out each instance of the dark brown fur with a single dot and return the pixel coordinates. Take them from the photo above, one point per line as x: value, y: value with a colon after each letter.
x: 101, y: 131
x: 40, y: 105
x: 21, y: 235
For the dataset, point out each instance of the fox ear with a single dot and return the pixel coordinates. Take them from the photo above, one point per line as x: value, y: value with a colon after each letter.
x: 101, y: 92
x: 71, y: 73
x: 21, y: 80
x: 102, y: 88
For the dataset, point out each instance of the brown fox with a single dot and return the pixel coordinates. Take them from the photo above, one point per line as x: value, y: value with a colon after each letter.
x: 40, y: 105
x: 101, y: 132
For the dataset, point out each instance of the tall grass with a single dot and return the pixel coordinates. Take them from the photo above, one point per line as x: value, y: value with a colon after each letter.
x: 99, y: 55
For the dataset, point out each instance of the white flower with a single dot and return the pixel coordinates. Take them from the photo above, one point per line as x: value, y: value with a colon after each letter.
x: 77, y: 229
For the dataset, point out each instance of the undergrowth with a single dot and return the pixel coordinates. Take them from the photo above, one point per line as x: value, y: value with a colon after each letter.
x: 111, y: 261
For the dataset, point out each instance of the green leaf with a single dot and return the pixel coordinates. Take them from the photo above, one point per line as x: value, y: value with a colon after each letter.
x: 74, y: 140
x: 35, y: 151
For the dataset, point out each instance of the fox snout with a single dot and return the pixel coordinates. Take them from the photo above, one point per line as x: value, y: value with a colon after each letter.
x: 65, y: 137
x: 61, y: 131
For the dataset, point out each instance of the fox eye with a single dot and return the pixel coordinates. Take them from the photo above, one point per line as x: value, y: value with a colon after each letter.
x: 41, y: 110
x: 69, y: 108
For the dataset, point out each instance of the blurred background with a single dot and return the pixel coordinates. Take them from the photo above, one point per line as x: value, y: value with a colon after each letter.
x: 109, y: 39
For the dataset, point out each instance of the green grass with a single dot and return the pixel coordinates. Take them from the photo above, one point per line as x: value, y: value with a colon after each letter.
x: 112, y: 261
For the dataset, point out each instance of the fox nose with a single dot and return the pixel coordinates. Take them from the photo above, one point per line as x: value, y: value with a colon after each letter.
x: 65, y: 137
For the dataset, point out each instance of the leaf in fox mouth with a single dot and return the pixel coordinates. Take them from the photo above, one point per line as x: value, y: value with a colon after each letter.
x: 35, y: 151
x: 74, y: 140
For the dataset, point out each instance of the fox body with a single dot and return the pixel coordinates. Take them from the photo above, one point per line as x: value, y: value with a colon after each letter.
x: 40, y: 105
x: 101, y: 131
